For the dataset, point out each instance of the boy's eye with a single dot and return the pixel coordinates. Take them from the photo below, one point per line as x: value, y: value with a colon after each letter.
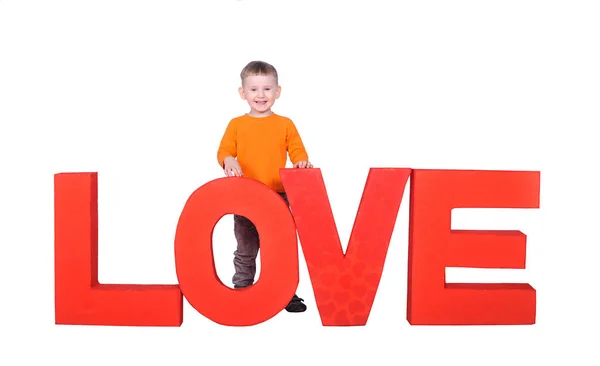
x: 267, y: 88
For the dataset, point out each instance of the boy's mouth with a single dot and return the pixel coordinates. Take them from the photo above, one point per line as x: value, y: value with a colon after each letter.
x: 261, y: 102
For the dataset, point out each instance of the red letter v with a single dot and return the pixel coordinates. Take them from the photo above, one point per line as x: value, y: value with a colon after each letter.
x: 345, y: 285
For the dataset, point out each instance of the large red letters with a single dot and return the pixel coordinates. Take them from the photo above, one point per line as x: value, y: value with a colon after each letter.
x: 344, y: 284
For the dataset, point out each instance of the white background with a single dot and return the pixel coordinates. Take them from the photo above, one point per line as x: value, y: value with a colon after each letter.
x: 141, y: 92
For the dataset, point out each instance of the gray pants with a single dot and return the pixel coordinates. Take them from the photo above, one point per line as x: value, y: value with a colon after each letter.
x: 248, y: 244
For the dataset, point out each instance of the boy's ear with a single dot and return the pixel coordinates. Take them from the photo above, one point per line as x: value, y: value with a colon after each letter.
x: 242, y: 94
x: 278, y: 92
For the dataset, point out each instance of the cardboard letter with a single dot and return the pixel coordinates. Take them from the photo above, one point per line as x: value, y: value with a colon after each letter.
x: 196, y: 271
x: 345, y: 285
x: 433, y: 246
x: 79, y: 298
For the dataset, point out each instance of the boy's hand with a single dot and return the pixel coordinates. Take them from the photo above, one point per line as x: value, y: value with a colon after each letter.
x: 232, y: 168
x: 303, y: 164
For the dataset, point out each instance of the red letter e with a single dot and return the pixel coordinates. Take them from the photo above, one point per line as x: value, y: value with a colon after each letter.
x: 433, y: 246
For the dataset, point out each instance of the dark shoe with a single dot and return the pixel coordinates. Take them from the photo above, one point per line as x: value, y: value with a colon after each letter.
x: 296, y: 305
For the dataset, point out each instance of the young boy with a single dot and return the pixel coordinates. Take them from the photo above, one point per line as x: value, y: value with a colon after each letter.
x: 260, y: 140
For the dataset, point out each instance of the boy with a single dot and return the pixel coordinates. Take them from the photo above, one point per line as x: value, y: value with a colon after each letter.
x: 260, y: 140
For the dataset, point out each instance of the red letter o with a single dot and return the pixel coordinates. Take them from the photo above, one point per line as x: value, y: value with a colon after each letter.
x: 198, y: 279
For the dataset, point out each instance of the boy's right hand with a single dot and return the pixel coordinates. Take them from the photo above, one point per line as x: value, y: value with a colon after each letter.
x: 232, y: 168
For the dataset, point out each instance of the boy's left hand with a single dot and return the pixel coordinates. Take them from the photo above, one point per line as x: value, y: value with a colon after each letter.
x: 303, y: 164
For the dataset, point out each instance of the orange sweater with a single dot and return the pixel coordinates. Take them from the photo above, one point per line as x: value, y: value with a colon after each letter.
x: 261, y: 146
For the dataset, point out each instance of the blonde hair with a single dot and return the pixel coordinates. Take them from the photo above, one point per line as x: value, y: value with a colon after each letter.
x: 258, y: 68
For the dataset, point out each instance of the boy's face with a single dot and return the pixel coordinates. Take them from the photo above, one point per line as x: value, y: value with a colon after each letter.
x: 260, y: 91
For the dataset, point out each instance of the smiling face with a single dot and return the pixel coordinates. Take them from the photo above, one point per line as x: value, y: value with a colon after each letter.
x: 260, y: 91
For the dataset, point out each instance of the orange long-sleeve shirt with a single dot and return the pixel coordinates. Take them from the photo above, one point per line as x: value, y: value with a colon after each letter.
x: 261, y: 146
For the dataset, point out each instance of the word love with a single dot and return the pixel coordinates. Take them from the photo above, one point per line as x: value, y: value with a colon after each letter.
x: 344, y: 284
